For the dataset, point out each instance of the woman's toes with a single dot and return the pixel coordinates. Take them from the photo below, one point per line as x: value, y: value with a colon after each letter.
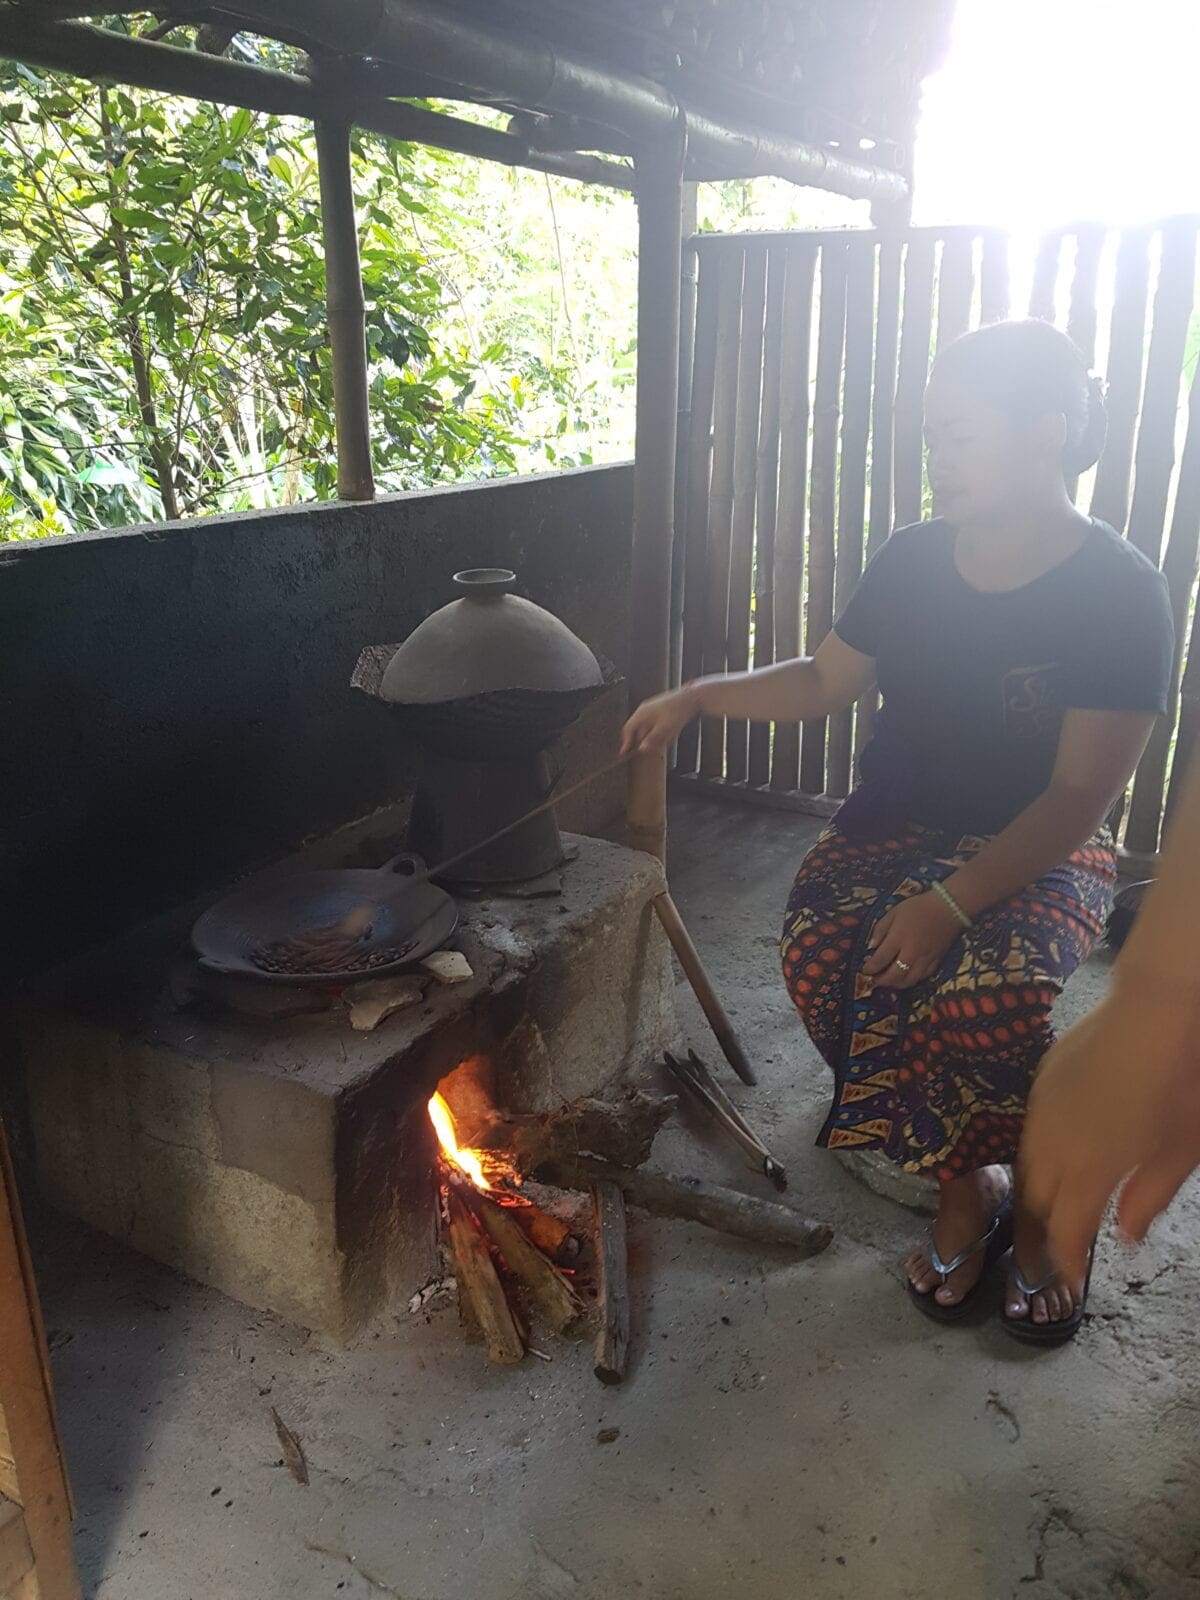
x: 1038, y: 1309
x: 1017, y: 1305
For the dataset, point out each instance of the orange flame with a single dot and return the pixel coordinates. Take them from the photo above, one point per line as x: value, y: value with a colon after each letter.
x: 466, y: 1160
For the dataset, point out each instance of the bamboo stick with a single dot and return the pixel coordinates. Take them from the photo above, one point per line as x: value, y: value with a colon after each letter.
x: 1179, y: 566
x: 346, y: 313
x: 956, y: 288
x: 612, y: 1263
x: 1081, y: 312
x: 1155, y: 457
x: 793, y: 484
x: 1043, y: 293
x: 768, y: 501
x: 745, y: 484
x: 826, y: 412
x: 720, y: 501
x: 699, y: 465
x: 689, y: 959
x: 994, y: 278
x: 883, y: 416
x: 852, y: 480
x: 1126, y: 357
x: 915, y: 334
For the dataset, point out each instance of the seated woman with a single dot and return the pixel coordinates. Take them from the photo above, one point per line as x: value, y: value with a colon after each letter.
x: 1023, y: 651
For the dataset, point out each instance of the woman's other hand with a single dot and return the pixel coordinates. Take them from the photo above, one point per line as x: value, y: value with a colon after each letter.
x: 908, y: 943
x: 657, y: 723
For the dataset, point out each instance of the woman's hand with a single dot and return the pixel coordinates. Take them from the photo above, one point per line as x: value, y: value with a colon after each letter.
x: 658, y: 723
x: 908, y: 943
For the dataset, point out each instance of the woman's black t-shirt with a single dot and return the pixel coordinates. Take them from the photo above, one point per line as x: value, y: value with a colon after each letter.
x: 974, y: 685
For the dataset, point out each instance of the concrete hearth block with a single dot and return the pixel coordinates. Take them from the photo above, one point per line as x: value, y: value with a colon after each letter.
x: 287, y: 1161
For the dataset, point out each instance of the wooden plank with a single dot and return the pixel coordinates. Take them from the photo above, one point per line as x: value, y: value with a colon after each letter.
x: 1126, y: 359
x: 1154, y: 460
x: 1179, y: 567
x: 612, y: 1251
x: 27, y: 1399
x: 1043, y: 292
x: 768, y: 500
x: 745, y: 495
x: 994, y: 287
x: 720, y: 499
x: 16, y: 1553
x: 791, y: 532
x: 699, y: 447
x: 852, y: 479
x: 956, y: 288
x: 823, y: 502
x: 909, y: 470
x: 883, y: 415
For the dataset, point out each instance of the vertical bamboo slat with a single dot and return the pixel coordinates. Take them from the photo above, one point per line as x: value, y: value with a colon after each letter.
x: 956, y: 287
x: 745, y: 482
x: 1155, y: 457
x: 883, y: 414
x: 699, y: 465
x: 1043, y: 292
x: 790, y: 529
x: 720, y: 499
x: 994, y: 291
x: 1081, y: 311
x: 1189, y: 719
x: 909, y: 469
x: 1179, y: 568
x: 768, y: 501
x: 823, y: 502
x: 1126, y: 355
x: 852, y: 478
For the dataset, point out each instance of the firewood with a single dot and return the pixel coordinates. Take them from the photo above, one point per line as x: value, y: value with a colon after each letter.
x: 552, y: 1295
x: 479, y: 1284
x: 726, y: 1210
x: 612, y: 1341
x: 621, y: 1131
x: 552, y: 1236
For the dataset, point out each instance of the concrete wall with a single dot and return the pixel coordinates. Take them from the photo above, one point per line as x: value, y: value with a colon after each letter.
x: 176, y: 697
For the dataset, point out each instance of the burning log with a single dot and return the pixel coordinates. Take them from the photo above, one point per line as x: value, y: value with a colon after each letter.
x: 550, y: 1234
x: 479, y: 1285
x: 612, y: 1341
x: 620, y: 1131
x: 726, y: 1210
x: 552, y: 1295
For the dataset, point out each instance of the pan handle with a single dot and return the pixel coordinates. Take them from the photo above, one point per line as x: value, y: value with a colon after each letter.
x: 405, y: 865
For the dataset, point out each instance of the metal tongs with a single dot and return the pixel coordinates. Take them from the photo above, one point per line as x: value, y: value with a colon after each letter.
x: 699, y: 1081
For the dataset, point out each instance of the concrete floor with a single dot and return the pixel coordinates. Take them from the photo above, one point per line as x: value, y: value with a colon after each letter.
x: 787, y: 1429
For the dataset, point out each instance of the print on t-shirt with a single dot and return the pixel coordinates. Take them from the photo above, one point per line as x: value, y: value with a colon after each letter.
x: 1031, y: 708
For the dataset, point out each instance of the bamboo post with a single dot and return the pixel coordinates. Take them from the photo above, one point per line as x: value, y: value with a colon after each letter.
x: 660, y: 255
x: 768, y: 502
x: 909, y: 470
x: 793, y: 485
x: 745, y: 494
x: 823, y: 503
x: 346, y: 312
x: 956, y: 287
x: 1126, y: 357
x: 852, y: 482
x: 699, y: 463
x: 720, y: 500
x: 1155, y: 457
x: 688, y: 286
x: 1179, y: 568
x: 994, y: 278
x: 1081, y: 311
x: 1043, y: 292
x: 883, y: 416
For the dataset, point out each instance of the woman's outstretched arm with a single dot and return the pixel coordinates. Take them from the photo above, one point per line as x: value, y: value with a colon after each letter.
x: 792, y: 691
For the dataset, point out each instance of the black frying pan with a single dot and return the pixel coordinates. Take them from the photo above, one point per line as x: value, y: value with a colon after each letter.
x: 366, y: 922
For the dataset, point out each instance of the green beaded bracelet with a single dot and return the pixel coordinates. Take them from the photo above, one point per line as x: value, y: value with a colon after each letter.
x: 948, y: 899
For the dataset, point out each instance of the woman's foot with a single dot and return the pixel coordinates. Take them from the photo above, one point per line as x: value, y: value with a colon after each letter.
x: 1056, y: 1299
x: 967, y: 1208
